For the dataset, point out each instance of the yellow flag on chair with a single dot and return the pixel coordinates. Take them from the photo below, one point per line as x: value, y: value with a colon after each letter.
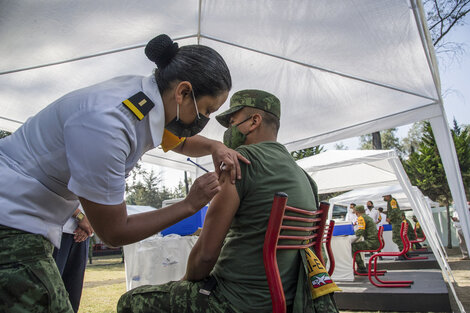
x: 319, y: 281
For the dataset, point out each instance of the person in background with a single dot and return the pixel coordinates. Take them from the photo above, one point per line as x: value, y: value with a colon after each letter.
x: 411, y: 234
x: 394, y: 217
x: 372, y: 212
x: 225, y: 271
x: 367, y: 229
x: 418, y: 231
x: 72, y: 255
x: 381, y: 217
x: 458, y: 230
x: 351, y: 216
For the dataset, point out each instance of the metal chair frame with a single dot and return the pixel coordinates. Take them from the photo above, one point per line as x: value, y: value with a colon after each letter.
x: 381, y: 246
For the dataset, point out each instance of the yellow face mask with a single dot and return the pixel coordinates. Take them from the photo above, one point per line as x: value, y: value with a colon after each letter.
x: 170, y: 141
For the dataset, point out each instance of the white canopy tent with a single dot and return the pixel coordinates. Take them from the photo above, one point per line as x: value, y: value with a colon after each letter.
x: 342, y: 170
x: 341, y: 68
x: 374, y: 194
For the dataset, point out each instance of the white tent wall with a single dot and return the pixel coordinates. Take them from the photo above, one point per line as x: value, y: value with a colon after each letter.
x: 383, y: 164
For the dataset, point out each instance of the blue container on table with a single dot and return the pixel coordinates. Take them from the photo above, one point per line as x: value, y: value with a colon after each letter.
x: 187, y: 226
x: 343, y: 230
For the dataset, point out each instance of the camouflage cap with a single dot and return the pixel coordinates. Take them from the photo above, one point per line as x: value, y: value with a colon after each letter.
x: 360, y: 209
x: 250, y: 98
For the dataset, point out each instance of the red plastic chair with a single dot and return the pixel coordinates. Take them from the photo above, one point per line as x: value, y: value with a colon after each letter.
x: 418, y: 240
x: 328, y: 233
x: 316, y: 219
x: 381, y: 246
x: 373, y: 271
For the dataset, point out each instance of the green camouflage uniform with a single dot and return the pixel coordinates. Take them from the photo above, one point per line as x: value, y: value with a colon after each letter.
x: 368, y: 230
x: 29, y: 278
x: 410, y: 232
x: 394, y: 214
x: 419, y: 230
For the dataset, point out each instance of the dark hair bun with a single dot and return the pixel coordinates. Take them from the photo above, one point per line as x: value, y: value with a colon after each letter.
x: 161, y: 50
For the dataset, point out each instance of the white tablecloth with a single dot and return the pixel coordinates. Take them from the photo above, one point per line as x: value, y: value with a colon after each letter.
x: 341, y: 246
x: 157, y: 260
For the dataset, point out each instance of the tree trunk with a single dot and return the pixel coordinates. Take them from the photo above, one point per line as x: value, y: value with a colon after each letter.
x: 449, y: 232
x: 376, y: 141
x: 186, y: 182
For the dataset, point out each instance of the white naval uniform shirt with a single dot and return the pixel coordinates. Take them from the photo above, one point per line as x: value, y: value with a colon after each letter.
x: 83, y: 144
x: 373, y: 214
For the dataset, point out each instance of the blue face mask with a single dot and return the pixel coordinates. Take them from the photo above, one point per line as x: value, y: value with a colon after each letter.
x: 181, y: 129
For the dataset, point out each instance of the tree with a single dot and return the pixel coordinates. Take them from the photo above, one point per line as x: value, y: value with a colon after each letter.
x: 303, y: 153
x: 388, y: 141
x: 411, y: 142
x: 441, y: 16
x: 4, y: 134
x: 425, y: 170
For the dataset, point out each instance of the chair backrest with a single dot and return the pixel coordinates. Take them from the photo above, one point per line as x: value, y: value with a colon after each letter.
x: 404, y: 237
x: 380, y: 234
x: 315, y: 219
x: 327, y: 235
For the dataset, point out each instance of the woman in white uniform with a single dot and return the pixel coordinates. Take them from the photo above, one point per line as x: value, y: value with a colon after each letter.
x: 81, y: 147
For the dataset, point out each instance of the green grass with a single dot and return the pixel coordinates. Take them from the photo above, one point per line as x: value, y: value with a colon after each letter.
x: 105, y: 282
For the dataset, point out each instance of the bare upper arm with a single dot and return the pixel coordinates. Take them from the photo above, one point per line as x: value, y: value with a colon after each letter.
x: 219, y: 216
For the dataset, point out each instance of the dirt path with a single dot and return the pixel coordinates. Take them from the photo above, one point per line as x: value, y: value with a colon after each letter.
x: 461, y: 271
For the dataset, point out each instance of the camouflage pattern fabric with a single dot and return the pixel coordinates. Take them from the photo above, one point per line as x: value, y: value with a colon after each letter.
x: 257, y: 99
x: 410, y: 233
x: 362, y: 245
x: 184, y: 297
x: 394, y: 214
x: 368, y: 230
x: 175, y: 297
x: 29, y: 278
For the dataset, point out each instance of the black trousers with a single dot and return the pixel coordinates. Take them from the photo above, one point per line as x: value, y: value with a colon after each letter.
x: 71, y: 260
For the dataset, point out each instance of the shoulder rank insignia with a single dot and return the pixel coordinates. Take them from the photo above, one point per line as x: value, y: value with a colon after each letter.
x: 139, y: 104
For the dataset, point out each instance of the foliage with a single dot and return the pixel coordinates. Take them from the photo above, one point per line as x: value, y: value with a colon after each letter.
x: 4, y: 134
x: 145, y: 188
x: 303, y: 153
x: 411, y: 142
x: 424, y: 166
x: 442, y: 16
x: 389, y: 141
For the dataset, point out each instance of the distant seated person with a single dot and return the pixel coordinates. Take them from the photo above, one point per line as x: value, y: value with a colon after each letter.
x: 366, y: 229
x: 418, y: 229
x: 225, y: 271
x: 351, y: 216
x: 381, y: 217
x: 410, y: 232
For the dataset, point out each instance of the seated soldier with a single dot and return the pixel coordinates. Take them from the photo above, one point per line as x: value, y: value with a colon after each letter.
x: 365, y: 228
x: 225, y: 271
x: 411, y: 234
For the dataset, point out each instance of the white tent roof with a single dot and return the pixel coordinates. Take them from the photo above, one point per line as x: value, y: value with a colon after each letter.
x: 374, y: 194
x: 340, y: 170
x: 341, y: 63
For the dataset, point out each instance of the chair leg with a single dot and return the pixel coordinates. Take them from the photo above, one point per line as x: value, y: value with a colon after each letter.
x: 382, y: 284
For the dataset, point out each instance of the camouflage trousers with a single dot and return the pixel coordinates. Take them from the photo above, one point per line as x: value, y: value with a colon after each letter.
x: 184, y: 297
x: 29, y: 278
x: 363, y: 245
x: 175, y: 297
x: 396, y: 235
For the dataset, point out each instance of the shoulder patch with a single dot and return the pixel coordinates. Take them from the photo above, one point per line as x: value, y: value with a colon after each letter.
x: 139, y: 104
x: 361, y: 223
x: 393, y: 204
